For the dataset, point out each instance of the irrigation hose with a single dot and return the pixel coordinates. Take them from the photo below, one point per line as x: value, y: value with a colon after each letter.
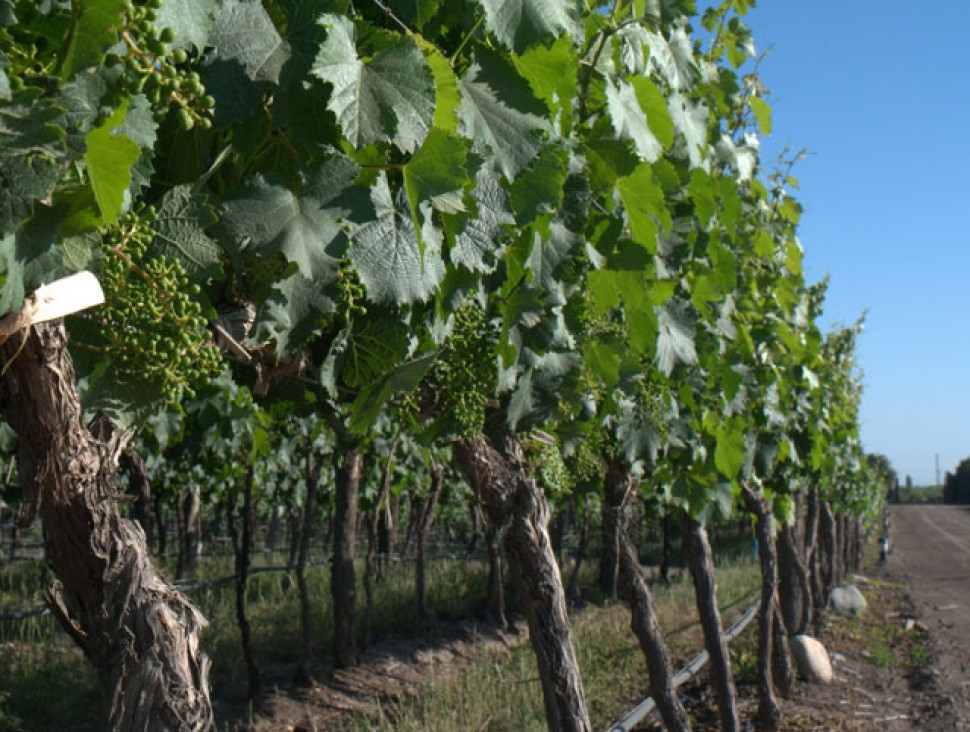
x: 639, y: 712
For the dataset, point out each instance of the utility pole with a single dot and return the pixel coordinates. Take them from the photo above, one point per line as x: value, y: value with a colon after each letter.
x: 937, y: 468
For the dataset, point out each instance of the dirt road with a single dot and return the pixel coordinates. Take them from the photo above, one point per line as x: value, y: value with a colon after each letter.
x: 931, y: 555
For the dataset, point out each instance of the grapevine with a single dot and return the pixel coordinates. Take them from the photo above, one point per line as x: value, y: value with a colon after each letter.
x: 152, y: 326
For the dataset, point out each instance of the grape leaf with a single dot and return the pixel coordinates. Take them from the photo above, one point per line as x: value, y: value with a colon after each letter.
x: 500, y: 114
x: 608, y: 158
x: 477, y: 244
x: 292, y: 314
x: 549, y: 253
x: 539, y: 388
x: 447, y: 96
x: 12, y: 293
x: 305, y: 225
x: 518, y: 24
x: 109, y: 157
x: 690, y: 120
x: 643, y: 199
x: 551, y: 72
x: 675, y: 338
x: 762, y: 113
x: 631, y: 44
x: 630, y: 122
x: 729, y: 451
x: 32, y: 151
x: 637, y: 436
x: 602, y: 358
x: 702, y: 196
x: 438, y: 173
x: 94, y: 29
x: 391, y: 96
x: 180, y: 233
x: 673, y: 59
x: 366, y: 407
x: 386, y: 254
x: 539, y: 189
x: 415, y: 12
x: 192, y: 21
x: 654, y: 106
x: 248, y: 54
x: 374, y: 349
x: 140, y: 125
x: 244, y: 34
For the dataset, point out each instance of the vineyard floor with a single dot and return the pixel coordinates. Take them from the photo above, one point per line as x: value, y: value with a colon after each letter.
x: 931, y: 557
x: 901, y: 666
x: 392, y: 670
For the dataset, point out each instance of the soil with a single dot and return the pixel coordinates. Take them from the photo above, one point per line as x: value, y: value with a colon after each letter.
x: 899, y: 666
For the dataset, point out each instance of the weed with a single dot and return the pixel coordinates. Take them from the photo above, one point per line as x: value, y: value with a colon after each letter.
x: 881, y: 655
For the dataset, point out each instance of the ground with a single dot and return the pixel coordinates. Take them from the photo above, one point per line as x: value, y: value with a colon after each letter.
x: 899, y: 666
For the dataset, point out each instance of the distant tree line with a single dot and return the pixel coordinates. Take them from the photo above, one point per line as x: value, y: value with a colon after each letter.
x: 956, y: 486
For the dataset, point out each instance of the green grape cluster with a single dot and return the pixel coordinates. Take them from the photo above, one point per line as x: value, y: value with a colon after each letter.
x: 549, y: 468
x: 151, y: 323
x: 653, y: 396
x: 465, y: 372
x: 351, y: 294
x: 154, y: 68
x: 585, y: 464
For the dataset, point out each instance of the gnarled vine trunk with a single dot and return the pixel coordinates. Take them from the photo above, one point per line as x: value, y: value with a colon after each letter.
x: 613, y: 510
x: 141, y: 634
x: 241, y: 527
x: 141, y: 488
x: 769, y: 711
x: 698, y: 551
x: 427, y: 518
x: 496, y: 468
x: 495, y: 587
x: 342, y: 575
x: 373, y: 526
x: 312, y: 471
x: 643, y: 620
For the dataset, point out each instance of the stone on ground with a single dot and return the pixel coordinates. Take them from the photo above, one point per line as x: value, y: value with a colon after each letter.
x: 847, y: 600
x: 812, y: 659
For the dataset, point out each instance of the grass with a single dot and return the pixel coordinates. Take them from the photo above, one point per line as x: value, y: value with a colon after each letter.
x: 499, y: 694
x: 46, y: 683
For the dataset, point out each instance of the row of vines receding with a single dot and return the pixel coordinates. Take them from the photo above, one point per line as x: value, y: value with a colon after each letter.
x: 522, y: 251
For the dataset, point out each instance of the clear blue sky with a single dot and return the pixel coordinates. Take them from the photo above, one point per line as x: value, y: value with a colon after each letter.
x: 878, y: 91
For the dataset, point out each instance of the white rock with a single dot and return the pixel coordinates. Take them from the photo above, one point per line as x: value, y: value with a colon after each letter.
x: 812, y: 659
x: 847, y: 601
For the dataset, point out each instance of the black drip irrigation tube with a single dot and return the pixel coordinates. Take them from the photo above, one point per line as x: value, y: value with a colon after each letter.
x: 644, y: 708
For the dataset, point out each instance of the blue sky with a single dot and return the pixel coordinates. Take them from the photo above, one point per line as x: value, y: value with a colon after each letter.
x: 877, y: 91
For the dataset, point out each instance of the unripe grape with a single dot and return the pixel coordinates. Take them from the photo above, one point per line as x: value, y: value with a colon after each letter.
x: 186, y: 119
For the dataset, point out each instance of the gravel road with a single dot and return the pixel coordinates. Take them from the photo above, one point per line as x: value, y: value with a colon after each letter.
x: 931, y: 554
